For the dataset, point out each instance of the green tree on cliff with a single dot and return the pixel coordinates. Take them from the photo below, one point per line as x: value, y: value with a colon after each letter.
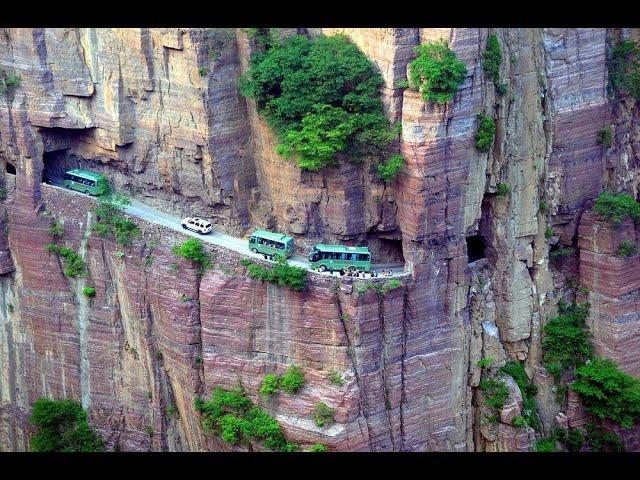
x: 322, y: 97
x: 437, y: 72
x: 62, y: 427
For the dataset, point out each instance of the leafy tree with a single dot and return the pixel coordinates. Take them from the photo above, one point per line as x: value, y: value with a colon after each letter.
x: 566, y: 340
x: 437, y: 72
x: 608, y: 392
x: 62, y: 427
x: 318, y: 447
x: 321, y: 96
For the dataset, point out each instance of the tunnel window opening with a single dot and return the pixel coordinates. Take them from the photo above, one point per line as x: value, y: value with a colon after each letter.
x: 476, y: 248
x: 11, y: 169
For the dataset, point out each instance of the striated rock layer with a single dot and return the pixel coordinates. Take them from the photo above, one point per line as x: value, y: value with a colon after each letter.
x: 159, y: 112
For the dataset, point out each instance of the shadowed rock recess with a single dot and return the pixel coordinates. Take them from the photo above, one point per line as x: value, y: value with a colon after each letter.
x: 158, y: 111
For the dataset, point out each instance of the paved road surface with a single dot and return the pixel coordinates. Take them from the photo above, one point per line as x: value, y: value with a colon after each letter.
x: 240, y: 245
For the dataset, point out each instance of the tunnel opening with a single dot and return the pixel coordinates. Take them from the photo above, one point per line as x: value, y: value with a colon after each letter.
x: 386, y: 250
x: 55, y: 163
x: 476, y: 248
x: 10, y: 168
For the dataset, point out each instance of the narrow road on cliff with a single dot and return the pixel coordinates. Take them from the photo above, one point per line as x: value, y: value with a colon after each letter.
x: 239, y: 245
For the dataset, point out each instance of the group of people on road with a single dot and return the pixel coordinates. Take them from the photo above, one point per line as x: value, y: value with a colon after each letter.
x: 372, y: 274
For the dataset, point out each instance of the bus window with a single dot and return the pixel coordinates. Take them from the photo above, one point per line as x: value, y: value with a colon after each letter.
x: 252, y: 240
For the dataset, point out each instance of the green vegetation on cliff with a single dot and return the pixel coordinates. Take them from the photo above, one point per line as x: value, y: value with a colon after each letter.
x: 608, y: 392
x: 528, y: 391
x: 605, y: 391
x: 232, y: 415
x: 615, y: 207
x: 73, y: 265
x: 624, y: 68
x: 62, y: 427
x: 485, y: 132
x: 111, y: 221
x: 436, y: 72
x: 193, y: 249
x: 322, y: 97
x: 566, y: 342
x: 389, y: 170
x: 282, y: 274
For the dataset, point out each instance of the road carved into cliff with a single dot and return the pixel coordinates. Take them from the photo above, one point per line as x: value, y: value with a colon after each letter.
x: 239, y: 245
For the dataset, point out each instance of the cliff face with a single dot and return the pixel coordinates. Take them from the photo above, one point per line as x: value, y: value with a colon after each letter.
x: 158, y: 111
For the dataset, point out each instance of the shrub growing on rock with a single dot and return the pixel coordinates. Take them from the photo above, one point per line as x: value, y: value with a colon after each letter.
x: 626, y: 248
x: 624, y: 68
x: 89, y: 292
x: 615, y: 207
x: 193, y: 249
x: 111, y: 222
x: 73, y: 265
x: 323, y: 414
x: 605, y: 137
x: 485, y: 132
x: 270, y: 384
x: 608, y: 392
x: 389, y: 170
x: 293, y: 380
x: 492, y: 57
x: 233, y: 416
x: 282, y: 274
x: 566, y: 341
x: 437, y: 72
x: 62, y: 427
x: 495, y: 392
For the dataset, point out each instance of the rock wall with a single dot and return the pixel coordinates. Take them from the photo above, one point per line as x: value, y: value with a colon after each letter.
x: 159, y: 111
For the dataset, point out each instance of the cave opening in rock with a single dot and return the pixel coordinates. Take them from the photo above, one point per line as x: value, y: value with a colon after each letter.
x: 476, y: 247
x: 11, y: 169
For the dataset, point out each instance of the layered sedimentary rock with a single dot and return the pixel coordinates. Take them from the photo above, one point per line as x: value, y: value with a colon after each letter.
x: 158, y: 111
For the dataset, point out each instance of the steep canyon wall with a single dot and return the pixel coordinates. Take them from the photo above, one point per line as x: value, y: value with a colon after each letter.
x: 159, y: 112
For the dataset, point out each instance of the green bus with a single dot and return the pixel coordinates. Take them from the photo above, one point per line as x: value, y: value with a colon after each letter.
x: 338, y: 257
x: 273, y: 244
x: 86, y: 181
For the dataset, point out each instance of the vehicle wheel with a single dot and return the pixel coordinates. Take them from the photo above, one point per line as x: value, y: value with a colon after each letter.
x: 254, y: 250
x: 322, y: 268
x: 184, y: 226
x: 352, y: 270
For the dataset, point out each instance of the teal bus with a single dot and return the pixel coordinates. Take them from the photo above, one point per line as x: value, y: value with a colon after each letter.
x: 273, y: 244
x: 338, y: 257
x: 85, y: 181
